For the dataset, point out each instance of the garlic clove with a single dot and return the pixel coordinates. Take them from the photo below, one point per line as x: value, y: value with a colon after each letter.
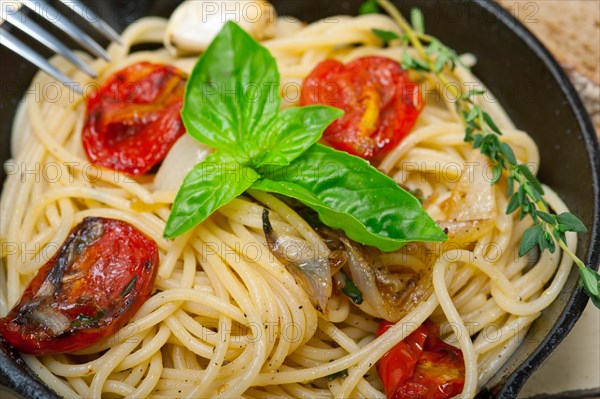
x: 195, y: 23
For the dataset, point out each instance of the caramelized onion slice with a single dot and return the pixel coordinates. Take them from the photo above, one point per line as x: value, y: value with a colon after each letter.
x: 386, y: 295
x: 310, y: 269
x: 382, y: 293
x: 183, y: 156
x: 471, y: 209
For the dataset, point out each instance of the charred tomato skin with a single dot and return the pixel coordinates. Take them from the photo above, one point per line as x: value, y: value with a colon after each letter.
x: 91, y: 288
x: 381, y: 104
x: 421, y: 366
x: 133, y: 119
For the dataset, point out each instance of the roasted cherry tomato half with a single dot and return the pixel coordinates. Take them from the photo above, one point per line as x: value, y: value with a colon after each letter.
x: 134, y: 119
x: 380, y: 103
x: 422, y: 366
x: 91, y: 288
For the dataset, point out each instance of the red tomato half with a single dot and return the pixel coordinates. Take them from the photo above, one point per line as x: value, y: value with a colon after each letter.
x: 134, y: 119
x: 91, y: 288
x: 380, y: 103
x: 422, y: 366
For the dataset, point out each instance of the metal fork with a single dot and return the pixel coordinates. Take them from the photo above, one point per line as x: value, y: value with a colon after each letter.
x: 12, y: 13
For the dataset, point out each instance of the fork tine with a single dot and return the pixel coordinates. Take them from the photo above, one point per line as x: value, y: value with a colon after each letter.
x: 14, y: 44
x: 86, y: 13
x: 66, y: 26
x: 38, y: 33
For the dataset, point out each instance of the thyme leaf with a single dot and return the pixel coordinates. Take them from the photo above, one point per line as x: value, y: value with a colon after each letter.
x: 369, y: 7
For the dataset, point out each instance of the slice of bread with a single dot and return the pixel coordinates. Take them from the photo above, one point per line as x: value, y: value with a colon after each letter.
x: 571, y: 31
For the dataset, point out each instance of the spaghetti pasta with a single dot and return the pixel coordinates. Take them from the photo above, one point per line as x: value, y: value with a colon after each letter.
x: 227, y: 318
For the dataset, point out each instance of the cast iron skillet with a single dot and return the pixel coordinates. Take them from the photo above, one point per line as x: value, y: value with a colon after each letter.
x: 521, y: 73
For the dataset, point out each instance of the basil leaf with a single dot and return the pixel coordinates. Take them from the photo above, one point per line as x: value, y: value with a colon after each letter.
x: 348, y: 193
x: 232, y: 104
x: 209, y: 185
x: 232, y: 92
x: 292, y: 132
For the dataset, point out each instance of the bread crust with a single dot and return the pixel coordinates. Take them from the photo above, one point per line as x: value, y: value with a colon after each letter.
x: 571, y: 31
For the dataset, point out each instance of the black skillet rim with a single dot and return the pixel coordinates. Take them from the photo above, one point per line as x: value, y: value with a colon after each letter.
x: 578, y: 300
x: 14, y: 373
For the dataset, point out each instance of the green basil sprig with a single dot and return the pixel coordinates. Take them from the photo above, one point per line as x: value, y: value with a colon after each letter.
x: 232, y: 105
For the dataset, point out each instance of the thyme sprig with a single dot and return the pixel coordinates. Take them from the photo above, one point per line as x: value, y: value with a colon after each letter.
x: 524, y: 189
